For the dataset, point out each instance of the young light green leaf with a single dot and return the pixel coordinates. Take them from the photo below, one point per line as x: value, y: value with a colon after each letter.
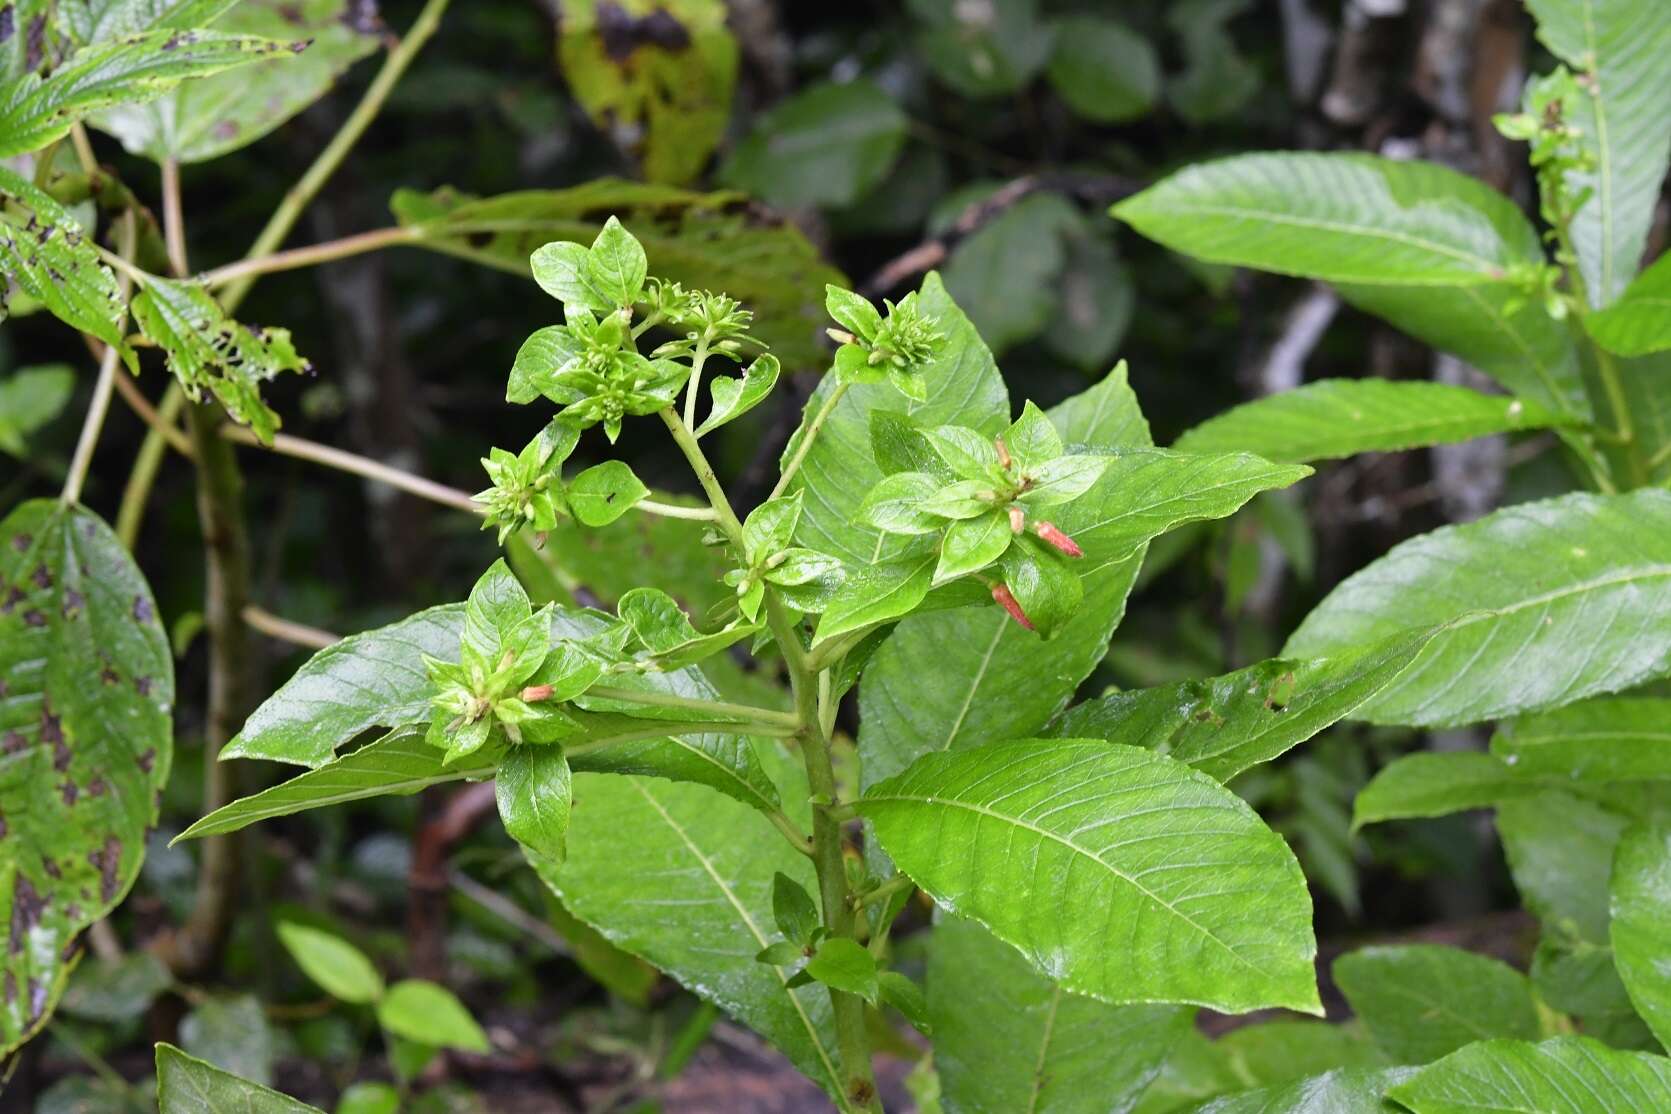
x: 534, y: 791
x: 1338, y: 217
x: 1421, y: 1001
x: 430, y: 1014
x: 1355, y: 1090
x: 1341, y: 417
x: 50, y: 259
x: 1565, y: 1075
x: 561, y: 270
x: 732, y: 398
x: 770, y: 527
x: 616, y: 266
x: 1640, y: 321
x: 605, y: 492
x: 206, y: 348
x: 369, y: 1098
x: 843, y: 963
x: 853, y: 311
x: 892, y: 506
x: 971, y: 544
x: 1610, y: 739
x: 1007, y: 1038
x: 187, y: 1085
x: 876, y: 593
x: 970, y: 454
x: 1044, y: 586
x: 1224, y: 725
x: 1063, y: 479
x: 1641, y: 925
x: 826, y: 145
x: 1516, y: 590
x: 85, y: 708
x: 1035, y: 839
x: 340, y: 969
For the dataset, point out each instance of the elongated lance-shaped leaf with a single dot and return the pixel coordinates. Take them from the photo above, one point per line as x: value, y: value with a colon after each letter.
x: 1223, y: 725
x: 187, y: 1085
x: 34, y: 110
x: 1421, y: 1001
x: 1440, y: 783
x: 1339, y: 218
x: 1620, y: 45
x: 1120, y: 873
x: 91, y: 21
x: 1342, y: 1091
x: 1640, y: 321
x: 47, y: 254
x: 1565, y: 1075
x: 1341, y: 417
x: 201, y: 120
x: 1547, y: 602
x: 1560, y: 849
x: 1006, y: 1038
x: 1611, y: 739
x: 1641, y: 924
x: 86, y: 685
x: 641, y: 849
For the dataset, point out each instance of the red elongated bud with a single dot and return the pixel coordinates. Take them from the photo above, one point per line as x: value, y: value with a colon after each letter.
x: 533, y: 694
x: 1006, y: 600
x: 1018, y: 519
x: 1050, y: 534
x: 1003, y: 453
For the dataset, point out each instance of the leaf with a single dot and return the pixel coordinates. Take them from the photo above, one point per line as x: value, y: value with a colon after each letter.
x: 30, y: 399
x: 534, y: 791
x: 1335, y: 418
x: 732, y: 398
x: 1104, y: 71
x: 232, y: 1034
x: 1610, y: 739
x: 844, y: 964
x: 1565, y: 1075
x: 665, y: 92
x: 701, y: 240
x: 1006, y: 1038
x: 605, y: 492
x: 1044, y: 843
x: 793, y: 910
x: 372, y: 679
x: 982, y: 52
x: 1641, y: 923
x: 88, y: 684
x: 1225, y: 725
x: 206, y: 348
x: 1519, y: 589
x: 186, y: 1085
x: 1342, y: 1091
x: 51, y: 260
x: 205, y: 119
x: 876, y: 593
x: 1640, y: 321
x: 616, y: 264
x: 369, y: 1098
x: 34, y: 110
x: 826, y: 145
x: 716, y: 859
x: 1338, y: 217
x: 1621, y: 46
x: 114, y: 990
x: 430, y: 1014
x: 1217, y: 80
x: 1421, y: 1001
x: 971, y: 544
x: 97, y: 20
x: 340, y: 969
x: 1004, y: 275
x: 1440, y: 783
x: 1276, y: 1052
x: 1560, y: 850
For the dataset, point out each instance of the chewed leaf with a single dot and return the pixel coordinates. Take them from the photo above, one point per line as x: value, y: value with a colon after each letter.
x: 86, y: 684
x: 735, y: 397
x: 206, y: 348
x: 45, y: 252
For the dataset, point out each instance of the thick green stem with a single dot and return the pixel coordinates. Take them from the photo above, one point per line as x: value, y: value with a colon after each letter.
x: 705, y: 476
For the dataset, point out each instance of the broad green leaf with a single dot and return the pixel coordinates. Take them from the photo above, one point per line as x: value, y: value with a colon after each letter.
x: 340, y: 969
x: 1007, y: 1039
x: 1641, y: 924
x: 845, y: 964
x: 1519, y: 589
x: 1058, y: 846
x: 984, y: 51
x: 1342, y: 1091
x: 1005, y: 274
x: 1224, y: 725
x: 1338, y: 217
x: 187, y: 1085
x: 1341, y: 417
x: 1103, y: 70
x: 728, y: 763
x: 47, y: 254
x: 826, y: 145
x: 665, y: 94
x: 1440, y: 783
x: 1560, y: 850
x: 206, y: 348
x: 369, y: 1098
x: 1611, y: 739
x: 605, y: 492
x: 1581, y: 979
x: 971, y: 544
x: 1640, y: 321
x: 699, y: 239
x: 1421, y: 1001
x: 732, y: 397
x: 430, y: 1014
x: 1565, y: 1075
x: 1620, y: 45
x: 372, y: 679
x: 34, y: 111
x: 534, y: 791
x: 1196, y: 1070
x: 88, y: 684
x: 616, y: 264
x: 205, y: 119
x: 876, y: 593
x: 714, y: 860
x: 232, y: 1034
x: 1281, y: 1051
x: 29, y: 399
x: 114, y: 990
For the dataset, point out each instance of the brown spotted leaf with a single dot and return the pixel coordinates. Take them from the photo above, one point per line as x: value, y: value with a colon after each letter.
x: 86, y: 684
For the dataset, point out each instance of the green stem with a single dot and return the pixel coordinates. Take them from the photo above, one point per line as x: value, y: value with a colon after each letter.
x: 93, y: 424
x: 144, y: 474
x: 719, y: 708
x: 673, y: 510
x: 698, y: 358
x: 686, y: 440
x: 811, y: 435
x: 883, y: 890
x: 303, y: 449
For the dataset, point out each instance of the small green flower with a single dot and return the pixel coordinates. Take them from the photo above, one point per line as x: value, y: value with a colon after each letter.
x: 896, y: 347
x: 716, y: 323
x: 527, y: 486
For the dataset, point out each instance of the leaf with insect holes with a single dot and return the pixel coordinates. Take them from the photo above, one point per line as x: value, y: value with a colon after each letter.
x: 206, y: 348
x: 48, y: 255
x: 605, y: 492
x: 88, y: 685
x: 187, y: 1085
x: 732, y: 398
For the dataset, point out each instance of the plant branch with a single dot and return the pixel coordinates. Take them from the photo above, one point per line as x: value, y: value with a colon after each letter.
x: 812, y: 431
x: 173, y: 226
x: 310, y: 256
x: 145, y: 464
x: 109, y: 370
x: 302, y: 449
x: 297, y: 634
x: 673, y: 510
x: 705, y: 476
x: 140, y: 405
